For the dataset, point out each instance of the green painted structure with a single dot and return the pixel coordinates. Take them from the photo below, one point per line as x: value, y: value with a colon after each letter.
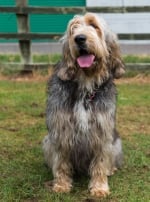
x: 39, y: 22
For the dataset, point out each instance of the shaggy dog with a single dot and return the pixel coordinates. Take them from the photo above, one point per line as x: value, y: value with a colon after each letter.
x: 81, y: 107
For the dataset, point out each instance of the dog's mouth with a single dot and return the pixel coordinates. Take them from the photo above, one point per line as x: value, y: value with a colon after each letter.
x: 85, y: 61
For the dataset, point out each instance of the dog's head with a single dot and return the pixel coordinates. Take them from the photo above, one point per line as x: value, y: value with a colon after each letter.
x: 89, y: 45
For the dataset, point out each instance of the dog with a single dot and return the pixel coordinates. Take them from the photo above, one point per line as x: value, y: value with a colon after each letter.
x: 81, y: 107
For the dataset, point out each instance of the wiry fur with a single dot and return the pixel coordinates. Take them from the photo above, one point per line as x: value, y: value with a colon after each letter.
x: 81, y: 130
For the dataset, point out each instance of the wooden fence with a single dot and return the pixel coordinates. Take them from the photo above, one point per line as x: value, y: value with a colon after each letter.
x: 118, y: 13
x: 22, y: 11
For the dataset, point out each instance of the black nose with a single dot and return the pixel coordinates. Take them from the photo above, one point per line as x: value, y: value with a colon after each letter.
x: 80, y: 39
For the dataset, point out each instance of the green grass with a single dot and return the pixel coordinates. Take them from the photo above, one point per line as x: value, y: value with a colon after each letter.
x: 8, y: 62
x: 136, y: 59
x: 22, y: 128
x: 37, y: 58
x: 53, y: 58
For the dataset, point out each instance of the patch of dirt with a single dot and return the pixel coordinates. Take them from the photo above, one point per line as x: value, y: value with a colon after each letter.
x: 31, y: 200
x: 140, y: 78
x: 89, y: 200
x: 28, y: 76
x: 36, y: 76
x: 132, y: 121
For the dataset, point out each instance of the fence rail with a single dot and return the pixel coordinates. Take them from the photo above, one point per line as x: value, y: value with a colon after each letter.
x: 43, y: 10
x: 119, y: 14
x: 56, y: 36
x: 30, y: 36
x: 72, y: 10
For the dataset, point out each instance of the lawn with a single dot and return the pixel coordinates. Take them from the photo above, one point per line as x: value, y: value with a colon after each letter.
x: 53, y: 58
x: 22, y: 128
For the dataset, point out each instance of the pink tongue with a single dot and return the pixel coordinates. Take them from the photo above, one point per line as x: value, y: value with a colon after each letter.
x: 85, y: 61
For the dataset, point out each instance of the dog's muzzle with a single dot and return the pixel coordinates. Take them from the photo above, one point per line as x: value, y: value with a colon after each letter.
x: 86, y: 59
x: 80, y: 39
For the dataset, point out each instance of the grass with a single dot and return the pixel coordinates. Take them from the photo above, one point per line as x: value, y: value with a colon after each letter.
x: 22, y: 128
x: 53, y: 58
x: 37, y: 58
x: 13, y: 59
x: 136, y: 59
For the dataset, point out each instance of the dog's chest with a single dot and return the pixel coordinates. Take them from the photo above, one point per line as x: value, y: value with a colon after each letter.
x: 82, y: 116
x: 93, y: 116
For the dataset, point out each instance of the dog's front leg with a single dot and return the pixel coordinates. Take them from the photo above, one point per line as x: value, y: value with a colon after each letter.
x: 62, y: 173
x: 98, y: 185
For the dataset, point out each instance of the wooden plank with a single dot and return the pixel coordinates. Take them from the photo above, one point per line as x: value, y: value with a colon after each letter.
x: 105, y: 9
x: 63, y: 10
x: 118, y: 9
x: 33, y: 36
x: 134, y: 36
x: 56, y: 36
x: 30, y: 36
x: 128, y: 23
x: 117, y: 3
x: 24, y: 27
x: 42, y: 10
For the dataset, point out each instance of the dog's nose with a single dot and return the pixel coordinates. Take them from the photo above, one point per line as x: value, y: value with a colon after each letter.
x: 80, y: 39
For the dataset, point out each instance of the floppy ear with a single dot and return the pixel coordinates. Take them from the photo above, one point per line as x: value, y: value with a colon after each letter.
x: 115, y: 61
x: 66, y: 68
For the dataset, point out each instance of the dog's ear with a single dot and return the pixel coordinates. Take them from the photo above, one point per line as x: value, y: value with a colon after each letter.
x: 66, y: 70
x: 65, y: 73
x: 115, y: 61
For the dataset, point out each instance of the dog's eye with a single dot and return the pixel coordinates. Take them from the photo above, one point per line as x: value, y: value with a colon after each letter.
x: 73, y: 27
x: 94, y: 26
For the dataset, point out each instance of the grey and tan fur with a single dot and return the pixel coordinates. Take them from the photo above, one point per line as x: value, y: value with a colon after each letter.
x: 81, y: 107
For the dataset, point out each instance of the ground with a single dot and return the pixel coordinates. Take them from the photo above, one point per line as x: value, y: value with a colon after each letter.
x: 22, y: 128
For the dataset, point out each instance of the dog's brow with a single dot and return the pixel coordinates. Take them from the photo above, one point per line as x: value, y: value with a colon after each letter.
x: 76, y: 24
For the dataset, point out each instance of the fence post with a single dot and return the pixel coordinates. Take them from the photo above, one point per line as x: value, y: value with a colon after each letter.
x: 24, y: 27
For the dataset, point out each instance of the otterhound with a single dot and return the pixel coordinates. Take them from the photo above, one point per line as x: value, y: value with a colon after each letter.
x: 81, y: 107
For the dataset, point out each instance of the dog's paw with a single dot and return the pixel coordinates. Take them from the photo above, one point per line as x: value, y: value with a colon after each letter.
x: 62, y: 188
x: 101, y: 190
x: 112, y: 171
